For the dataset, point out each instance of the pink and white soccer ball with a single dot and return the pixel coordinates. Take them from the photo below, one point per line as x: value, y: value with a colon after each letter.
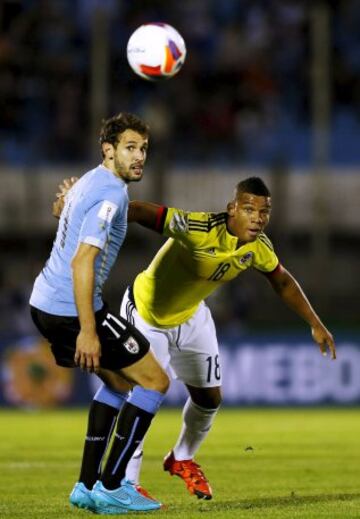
x: 156, y: 51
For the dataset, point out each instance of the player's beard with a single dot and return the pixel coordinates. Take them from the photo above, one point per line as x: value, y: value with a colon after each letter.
x: 125, y: 172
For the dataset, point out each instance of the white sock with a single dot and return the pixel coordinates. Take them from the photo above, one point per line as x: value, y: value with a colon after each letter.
x: 134, y: 466
x: 197, y: 422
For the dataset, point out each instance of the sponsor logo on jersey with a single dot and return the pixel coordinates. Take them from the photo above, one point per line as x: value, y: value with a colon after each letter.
x: 247, y: 257
x: 107, y: 211
x: 132, y: 345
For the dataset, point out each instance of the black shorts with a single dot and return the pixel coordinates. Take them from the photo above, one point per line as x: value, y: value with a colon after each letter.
x: 121, y: 343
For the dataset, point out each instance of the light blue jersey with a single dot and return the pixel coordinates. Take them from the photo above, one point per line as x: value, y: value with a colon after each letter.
x: 95, y: 212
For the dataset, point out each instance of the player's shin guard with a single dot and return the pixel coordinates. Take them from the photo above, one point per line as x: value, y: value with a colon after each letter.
x: 133, y: 422
x: 197, y: 422
x: 101, y: 421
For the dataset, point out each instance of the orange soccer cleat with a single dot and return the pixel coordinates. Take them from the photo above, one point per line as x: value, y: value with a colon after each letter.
x: 191, y: 473
x: 144, y: 492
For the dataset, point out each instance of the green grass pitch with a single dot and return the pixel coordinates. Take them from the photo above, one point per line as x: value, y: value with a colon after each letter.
x: 264, y: 463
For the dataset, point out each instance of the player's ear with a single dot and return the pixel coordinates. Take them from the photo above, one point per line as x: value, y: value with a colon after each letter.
x: 108, y: 150
x: 231, y: 208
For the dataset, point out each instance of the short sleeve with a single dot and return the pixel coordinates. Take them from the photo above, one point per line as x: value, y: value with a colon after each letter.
x: 176, y: 223
x: 265, y: 258
x: 98, y: 219
x: 186, y: 226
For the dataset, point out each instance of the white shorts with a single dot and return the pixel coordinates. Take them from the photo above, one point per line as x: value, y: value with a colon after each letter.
x: 189, y: 352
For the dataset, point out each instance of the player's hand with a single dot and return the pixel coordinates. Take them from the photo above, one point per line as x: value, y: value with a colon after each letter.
x: 325, y: 340
x: 64, y: 187
x: 88, y: 352
x: 58, y: 206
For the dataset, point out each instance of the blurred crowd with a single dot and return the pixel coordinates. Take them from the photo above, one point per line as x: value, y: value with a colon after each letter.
x: 243, y: 94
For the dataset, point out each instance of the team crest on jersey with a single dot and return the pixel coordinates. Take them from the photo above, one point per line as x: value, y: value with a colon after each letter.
x: 179, y: 223
x: 247, y: 257
x: 132, y: 345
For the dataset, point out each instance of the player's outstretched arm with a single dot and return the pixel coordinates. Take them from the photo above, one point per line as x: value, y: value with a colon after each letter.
x: 286, y: 286
x: 146, y: 214
x: 143, y: 213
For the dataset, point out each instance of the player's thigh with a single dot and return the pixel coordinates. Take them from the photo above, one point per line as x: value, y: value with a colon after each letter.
x: 195, y: 357
x: 159, y: 341
x: 147, y: 373
x: 114, y: 380
x: 122, y: 344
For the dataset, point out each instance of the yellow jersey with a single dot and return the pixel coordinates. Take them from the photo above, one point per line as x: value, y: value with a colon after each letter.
x: 199, y: 256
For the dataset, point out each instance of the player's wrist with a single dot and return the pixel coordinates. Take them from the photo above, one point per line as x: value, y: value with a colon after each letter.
x: 88, y: 329
x: 315, y: 322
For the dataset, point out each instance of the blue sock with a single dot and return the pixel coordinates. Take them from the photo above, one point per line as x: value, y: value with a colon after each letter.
x: 146, y: 399
x: 133, y: 422
x: 103, y: 413
x: 105, y: 395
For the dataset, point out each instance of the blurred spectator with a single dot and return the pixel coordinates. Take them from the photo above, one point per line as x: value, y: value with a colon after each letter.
x: 15, y: 318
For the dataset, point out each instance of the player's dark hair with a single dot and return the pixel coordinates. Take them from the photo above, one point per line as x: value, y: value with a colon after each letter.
x: 114, y: 126
x: 254, y: 186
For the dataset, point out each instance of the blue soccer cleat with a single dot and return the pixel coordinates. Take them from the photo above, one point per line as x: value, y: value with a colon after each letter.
x: 121, y: 500
x: 81, y: 497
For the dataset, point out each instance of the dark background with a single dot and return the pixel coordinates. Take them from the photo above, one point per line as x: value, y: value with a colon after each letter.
x: 270, y: 88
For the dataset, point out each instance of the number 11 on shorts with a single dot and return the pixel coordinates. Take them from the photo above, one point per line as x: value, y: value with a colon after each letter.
x: 106, y: 322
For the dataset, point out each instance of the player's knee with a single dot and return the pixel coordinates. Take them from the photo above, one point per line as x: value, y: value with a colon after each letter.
x: 212, y: 401
x: 115, y: 381
x: 162, y: 382
x: 216, y: 400
x: 209, y: 398
x: 157, y: 381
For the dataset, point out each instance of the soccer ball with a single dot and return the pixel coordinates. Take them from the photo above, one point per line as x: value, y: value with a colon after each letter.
x: 156, y: 51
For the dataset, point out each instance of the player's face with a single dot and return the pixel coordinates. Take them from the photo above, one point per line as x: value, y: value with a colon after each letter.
x: 248, y: 216
x: 128, y: 156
